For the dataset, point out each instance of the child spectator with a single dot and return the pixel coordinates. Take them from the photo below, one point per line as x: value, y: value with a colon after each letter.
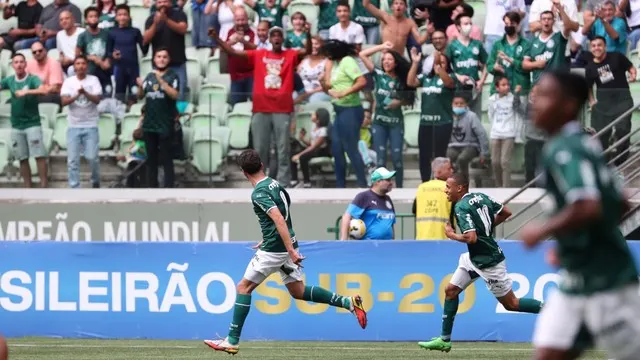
x: 122, y: 43
x: 468, y: 137
x: 503, y: 109
x: 317, y: 147
x: 135, y: 173
x: 297, y: 37
x: 364, y: 145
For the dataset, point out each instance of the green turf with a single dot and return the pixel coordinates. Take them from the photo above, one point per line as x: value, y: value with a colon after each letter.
x: 64, y: 349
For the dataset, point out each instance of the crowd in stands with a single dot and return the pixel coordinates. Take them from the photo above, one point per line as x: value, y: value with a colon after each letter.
x: 347, y: 85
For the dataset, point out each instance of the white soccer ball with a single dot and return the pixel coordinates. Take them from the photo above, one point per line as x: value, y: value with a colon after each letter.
x: 357, y: 228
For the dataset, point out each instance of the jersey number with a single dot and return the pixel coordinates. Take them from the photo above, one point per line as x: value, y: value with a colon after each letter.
x: 286, y: 206
x: 486, y: 219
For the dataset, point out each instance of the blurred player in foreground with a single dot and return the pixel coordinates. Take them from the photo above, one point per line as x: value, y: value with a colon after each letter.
x: 598, y: 290
x: 476, y: 215
x: 277, y: 252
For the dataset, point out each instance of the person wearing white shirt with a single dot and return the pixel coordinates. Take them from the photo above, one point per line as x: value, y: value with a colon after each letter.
x: 631, y: 10
x: 82, y: 93
x: 347, y: 30
x: 493, y: 25
x: 66, y: 40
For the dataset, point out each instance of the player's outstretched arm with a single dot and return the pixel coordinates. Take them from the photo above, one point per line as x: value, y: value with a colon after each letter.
x: 503, y: 215
x: 283, y: 231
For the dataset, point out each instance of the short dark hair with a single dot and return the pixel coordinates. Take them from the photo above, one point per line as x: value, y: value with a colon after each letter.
x: 572, y: 86
x: 89, y: 10
x: 344, y: 3
x: 80, y: 57
x: 598, y: 37
x: 547, y: 12
x: 18, y: 55
x: 123, y: 7
x: 265, y: 22
x: 138, y: 134
x: 497, y: 79
x: 249, y: 161
x: 513, y: 16
x: 460, y: 179
x: 464, y: 95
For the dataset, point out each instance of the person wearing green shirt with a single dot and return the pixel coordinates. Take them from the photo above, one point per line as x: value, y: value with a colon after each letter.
x: 93, y: 44
x: 508, y: 53
x: 269, y: 10
x: 547, y: 50
x: 343, y: 81
x: 160, y: 90
x: 391, y: 93
x: 436, y: 113
x: 327, y: 16
x: 26, y: 130
x: 297, y: 37
x: 369, y: 23
x: 597, y: 300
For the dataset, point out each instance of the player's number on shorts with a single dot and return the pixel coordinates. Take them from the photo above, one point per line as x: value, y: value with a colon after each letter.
x: 486, y: 219
x: 286, y: 206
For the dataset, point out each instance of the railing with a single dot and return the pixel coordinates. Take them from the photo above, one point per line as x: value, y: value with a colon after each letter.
x: 625, y: 165
x: 336, y: 229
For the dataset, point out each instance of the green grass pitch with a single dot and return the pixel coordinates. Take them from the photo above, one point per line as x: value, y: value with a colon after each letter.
x: 68, y: 349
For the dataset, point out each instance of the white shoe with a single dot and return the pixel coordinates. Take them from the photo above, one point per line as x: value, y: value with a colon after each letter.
x: 222, y: 345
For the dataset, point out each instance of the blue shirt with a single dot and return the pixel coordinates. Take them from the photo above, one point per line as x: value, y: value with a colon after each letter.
x: 377, y: 212
x: 126, y: 40
x: 619, y: 44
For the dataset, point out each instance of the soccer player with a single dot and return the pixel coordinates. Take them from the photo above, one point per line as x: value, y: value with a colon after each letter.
x: 277, y: 252
x: 598, y: 290
x: 476, y: 215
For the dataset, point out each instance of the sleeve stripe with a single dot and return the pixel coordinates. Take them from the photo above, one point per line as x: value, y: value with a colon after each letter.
x: 269, y: 209
x: 501, y: 208
x: 575, y: 195
x: 466, y: 231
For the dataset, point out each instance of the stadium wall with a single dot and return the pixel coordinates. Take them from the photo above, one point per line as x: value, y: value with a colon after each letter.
x: 200, y: 215
x: 187, y: 291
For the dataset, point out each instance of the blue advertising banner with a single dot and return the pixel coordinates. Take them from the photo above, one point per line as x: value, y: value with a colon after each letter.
x: 187, y: 291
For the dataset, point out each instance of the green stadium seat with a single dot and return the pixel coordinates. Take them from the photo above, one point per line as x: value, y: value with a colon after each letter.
x: 239, y: 123
x: 107, y: 130
x: 411, y: 127
x: 50, y: 110
x: 139, y: 15
x: 486, y: 90
x: 5, y: 61
x: 129, y: 124
x: 303, y: 121
x: 60, y: 130
x: 194, y: 79
x: 203, y: 58
x: 243, y: 107
x: 202, y: 122
x: 53, y: 54
x: 312, y: 107
x: 6, y: 25
x: 26, y: 53
x: 634, y: 87
x: 136, y: 108
x: 146, y: 66
x: 517, y: 159
x: 5, y: 121
x: 213, y: 64
x: 220, y: 79
x: 213, y: 99
x: 208, y: 153
x: 5, y: 95
x: 5, y: 155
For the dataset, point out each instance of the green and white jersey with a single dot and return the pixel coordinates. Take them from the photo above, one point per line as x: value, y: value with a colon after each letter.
x: 269, y: 194
x: 293, y: 41
x: 594, y: 257
x: 386, y: 86
x: 91, y: 44
x: 436, y: 101
x: 24, y: 110
x: 327, y: 16
x: 477, y: 212
x: 552, y: 50
x: 273, y: 15
x: 361, y: 16
x: 466, y: 60
x: 160, y: 109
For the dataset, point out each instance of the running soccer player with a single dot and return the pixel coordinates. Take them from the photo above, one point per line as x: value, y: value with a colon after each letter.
x: 277, y: 252
x: 597, y: 299
x: 477, y: 215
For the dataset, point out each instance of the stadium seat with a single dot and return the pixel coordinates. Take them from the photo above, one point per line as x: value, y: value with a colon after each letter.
x: 411, y: 126
x: 213, y: 65
x: 303, y: 121
x: 213, y: 99
x: 60, y: 130
x: 517, y: 159
x: 222, y: 134
x: 194, y: 79
x: 239, y: 123
x: 139, y: 15
x: 243, y: 107
x: 128, y: 125
x: 107, y: 130
x: 207, y: 153
x: 26, y: 53
x: 5, y: 61
x: 221, y: 79
x: 5, y: 154
x: 6, y: 25
x: 203, y: 58
x: 634, y: 87
x: 146, y: 65
x: 50, y: 110
x: 486, y: 91
x: 312, y: 107
x: 53, y: 54
x: 202, y: 122
x: 5, y: 121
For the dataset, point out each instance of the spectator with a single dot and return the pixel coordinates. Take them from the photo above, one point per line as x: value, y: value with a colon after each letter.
x: 311, y: 70
x: 272, y: 97
x: 268, y: 10
x: 397, y: 27
x: 201, y: 23
x: 468, y: 137
x: 343, y: 82
x: 631, y: 9
x: 122, y: 48
x: 439, y: 42
x: 327, y: 17
x: 431, y: 206
x: 28, y: 12
x: 26, y: 130
x: 166, y: 29
x: 67, y: 40
x: 504, y: 107
x: 49, y: 24
x: 452, y: 30
x: 48, y: 70
x: 241, y: 38
x: 135, y: 158
x: 368, y: 22
x: 608, y: 71
x: 263, y: 36
x: 534, y: 142
x: 468, y: 61
x: 107, y: 11
x: 347, y: 30
x: 496, y: 9
x: 592, y: 7
x: 441, y: 15
x: 570, y: 8
x: 508, y: 53
x: 82, y: 93
x: 161, y: 90
x: 319, y: 146
x: 93, y: 45
x: 374, y: 207
x: 296, y: 38
x: 391, y: 94
x: 436, y: 116
x: 223, y: 14
x: 547, y: 51
x: 605, y: 24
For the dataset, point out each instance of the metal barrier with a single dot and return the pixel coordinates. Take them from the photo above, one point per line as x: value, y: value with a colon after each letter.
x: 336, y: 229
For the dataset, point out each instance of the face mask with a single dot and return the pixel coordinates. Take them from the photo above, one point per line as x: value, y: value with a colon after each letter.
x: 510, y: 30
x: 465, y: 30
x: 459, y: 110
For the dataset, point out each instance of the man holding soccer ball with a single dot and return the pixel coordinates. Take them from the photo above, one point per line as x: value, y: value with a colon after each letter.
x: 372, y: 207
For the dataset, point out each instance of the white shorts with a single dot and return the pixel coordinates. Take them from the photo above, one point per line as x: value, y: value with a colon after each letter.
x: 496, y: 278
x: 265, y: 263
x: 606, y: 319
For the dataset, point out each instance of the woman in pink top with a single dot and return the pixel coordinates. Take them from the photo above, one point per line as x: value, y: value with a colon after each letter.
x: 452, y: 31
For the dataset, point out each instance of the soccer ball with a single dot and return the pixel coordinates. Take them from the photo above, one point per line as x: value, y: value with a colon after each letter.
x: 357, y: 228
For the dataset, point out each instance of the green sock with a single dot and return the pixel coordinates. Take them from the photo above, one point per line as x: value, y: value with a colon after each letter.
x: 240, y: 312
x: 449, y: 314
x: 323, y: 296
x: 529, y: 305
